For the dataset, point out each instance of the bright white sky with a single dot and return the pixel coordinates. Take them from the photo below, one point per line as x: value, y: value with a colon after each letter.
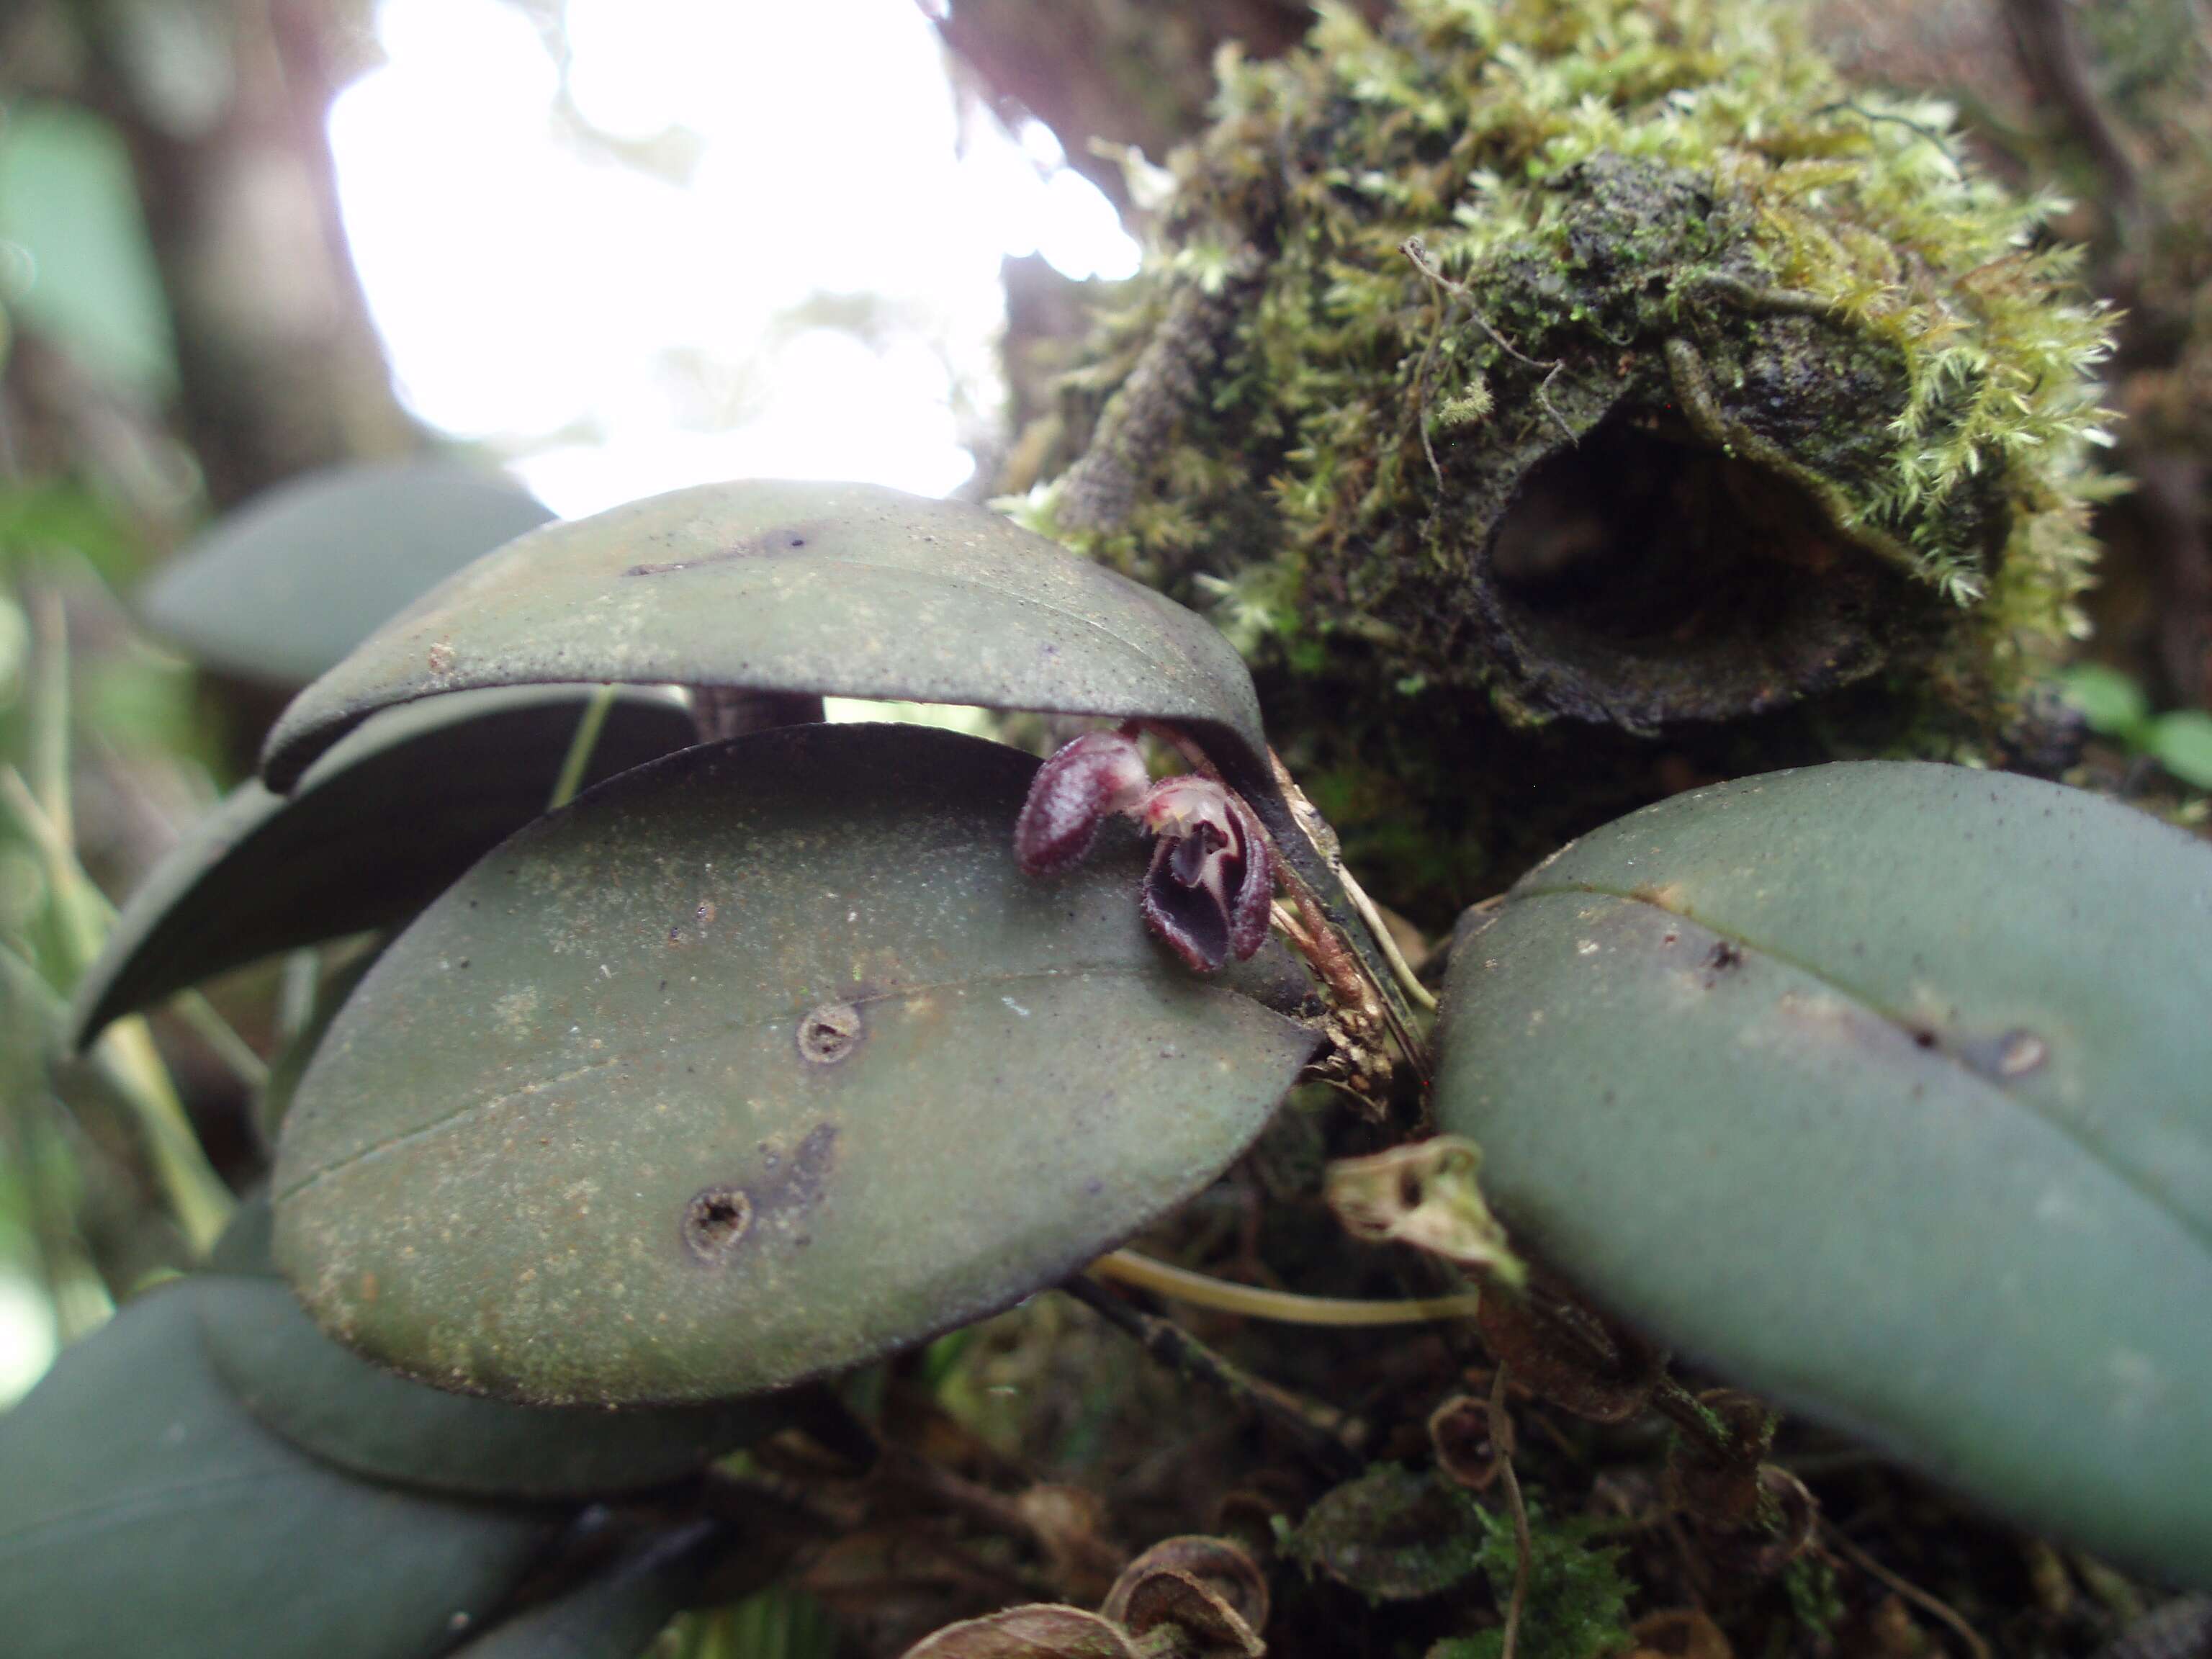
x: 620, y: 333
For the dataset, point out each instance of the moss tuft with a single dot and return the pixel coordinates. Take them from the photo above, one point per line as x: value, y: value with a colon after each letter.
x: 1602, y: 360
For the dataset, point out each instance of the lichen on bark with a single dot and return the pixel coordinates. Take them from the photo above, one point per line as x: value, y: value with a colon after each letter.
x: 1596, y: 364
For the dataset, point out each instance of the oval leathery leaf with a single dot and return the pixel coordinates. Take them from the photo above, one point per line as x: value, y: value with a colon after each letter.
x: 1881, y: 1088
x: 852, y: 589
x: 845, y: 589
x: 379, y: 825
x: 142, y: 1510
x: 756, y: 1063
x: 326, y: 1400
x: 280, y: 589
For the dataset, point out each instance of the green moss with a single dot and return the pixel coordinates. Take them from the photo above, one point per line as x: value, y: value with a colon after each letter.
x: 1576, y: 1602
x: 1815, y: 1600
x: 1708, y: 386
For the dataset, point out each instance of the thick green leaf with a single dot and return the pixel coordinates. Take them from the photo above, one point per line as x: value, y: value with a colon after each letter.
x: 847, y: 589
x: 844, y: 589
x: 1885, y: 1089
x: 615, y: 1616
x: 143, y: 1511
x: 756, y: 1063
x: 281, y: 589
x: 381, y: 824
x: 327, y: 1400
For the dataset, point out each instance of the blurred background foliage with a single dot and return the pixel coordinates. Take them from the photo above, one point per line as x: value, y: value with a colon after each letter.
x: 620, y: 245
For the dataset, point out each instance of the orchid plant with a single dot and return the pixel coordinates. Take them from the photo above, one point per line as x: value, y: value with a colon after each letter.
x: 659, y: 1109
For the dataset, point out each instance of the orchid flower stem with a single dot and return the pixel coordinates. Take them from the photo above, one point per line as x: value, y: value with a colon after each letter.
x: 577, y: 761
x: 1281, y: 1307
x: 1416, y: 992
x: 235, y: 1051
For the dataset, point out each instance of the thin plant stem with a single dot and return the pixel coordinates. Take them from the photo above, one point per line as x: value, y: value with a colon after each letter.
x: 47, y: 751
x: 1316, y: 1430
x: 1416, y: 992
x: 202, y: 1203
x: 1524, y: 1548
x: 1281, y: 1307
x: 72, y: 1285
x: 1931, y: 1605
x: 577, y: 761
x: 126, y: 1053
x: 91, y: 915
x: 235, y: 1051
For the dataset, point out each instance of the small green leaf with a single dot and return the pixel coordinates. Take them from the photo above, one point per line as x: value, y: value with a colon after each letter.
x: 326, y: 1400
x: 758, y: 1062
x: 1881, y: 1088
x: 280, y: 589
x: 2182, y: 743
x: 381, y: 824
x: 142, y: 1510
x: 2109, y: 699
x: 845, y: 589
x: 1392, y: 1534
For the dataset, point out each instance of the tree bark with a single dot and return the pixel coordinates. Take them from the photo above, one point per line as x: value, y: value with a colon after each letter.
x: 280, y: 368
x: 1116, y: 72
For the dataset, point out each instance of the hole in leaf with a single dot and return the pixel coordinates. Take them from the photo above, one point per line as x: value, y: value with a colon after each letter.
x: 715, y: 1220
x: 829, y: 1033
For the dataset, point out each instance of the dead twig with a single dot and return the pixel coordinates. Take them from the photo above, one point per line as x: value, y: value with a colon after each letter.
x: 1932, y: 1606
x: 1524, y: 1548
x: 1317, y: 1432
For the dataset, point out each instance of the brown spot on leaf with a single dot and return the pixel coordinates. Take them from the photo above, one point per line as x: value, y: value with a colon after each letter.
x: 769, y: 544
x: 1666, y: 895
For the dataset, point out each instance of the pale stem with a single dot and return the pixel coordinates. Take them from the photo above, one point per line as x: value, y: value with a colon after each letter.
x: 1282, y: 1307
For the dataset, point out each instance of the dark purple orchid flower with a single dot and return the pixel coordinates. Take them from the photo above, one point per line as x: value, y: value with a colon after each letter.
x: 1208, y: 892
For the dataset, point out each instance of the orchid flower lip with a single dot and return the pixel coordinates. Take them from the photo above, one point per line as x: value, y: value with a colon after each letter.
x: 1209, y: 890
